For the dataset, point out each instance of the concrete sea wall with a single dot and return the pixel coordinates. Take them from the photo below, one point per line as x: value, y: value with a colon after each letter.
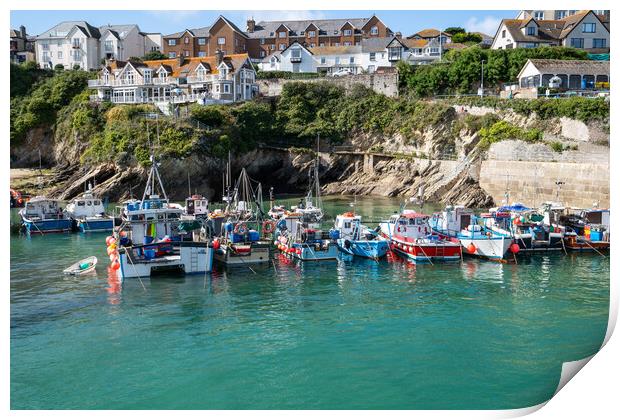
x: 534, y: 182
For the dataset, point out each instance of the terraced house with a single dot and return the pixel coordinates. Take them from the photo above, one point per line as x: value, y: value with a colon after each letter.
x: 222, y: 35
x: 584, y: 30
x: 217, y: 78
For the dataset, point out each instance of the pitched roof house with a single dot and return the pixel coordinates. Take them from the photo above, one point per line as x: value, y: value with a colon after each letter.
x: 584, y: 30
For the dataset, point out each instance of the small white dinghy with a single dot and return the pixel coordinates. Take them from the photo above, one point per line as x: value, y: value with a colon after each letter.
x: 84, y: 266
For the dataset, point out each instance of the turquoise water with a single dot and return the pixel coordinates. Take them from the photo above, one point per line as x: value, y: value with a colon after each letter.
x: 341, y: 335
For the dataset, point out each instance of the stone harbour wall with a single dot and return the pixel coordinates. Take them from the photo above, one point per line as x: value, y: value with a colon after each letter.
x: 534, y: 182
x: 385, y: 83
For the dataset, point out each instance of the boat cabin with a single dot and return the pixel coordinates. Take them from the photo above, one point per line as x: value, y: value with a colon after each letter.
x: 43, y: 208
x: 412, y: 225
x: 86, y: 205
x: 348, y: 224
x: 196, y: 205
x: 453, y: 220
x: 151, y: 218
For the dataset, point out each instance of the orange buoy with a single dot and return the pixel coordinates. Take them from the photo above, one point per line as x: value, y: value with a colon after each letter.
x: 108, y: 239
x: 514, y: 248
x: 115, y: 265
x: 471, y: 248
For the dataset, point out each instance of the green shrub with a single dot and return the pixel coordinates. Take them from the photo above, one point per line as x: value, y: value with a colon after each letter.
x: 211, y: 115
x: 277, y: 74
x: 503, y: 130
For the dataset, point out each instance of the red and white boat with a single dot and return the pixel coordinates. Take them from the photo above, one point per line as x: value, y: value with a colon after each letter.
x: 411, y: 236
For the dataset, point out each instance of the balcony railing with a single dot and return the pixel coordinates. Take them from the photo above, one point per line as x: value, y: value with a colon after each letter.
x: 136, y: 82
x: 201, y: 79
x: 295, y: 59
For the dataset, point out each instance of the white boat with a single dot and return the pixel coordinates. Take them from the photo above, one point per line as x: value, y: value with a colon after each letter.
x: 87, y: 265
x: 88, y: 213
x: 44, y: 215
x: 150, y: 239
x: 356, y: 239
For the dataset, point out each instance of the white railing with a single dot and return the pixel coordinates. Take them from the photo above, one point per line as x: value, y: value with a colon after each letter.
x: 199, y: 79
x: 136, y: 82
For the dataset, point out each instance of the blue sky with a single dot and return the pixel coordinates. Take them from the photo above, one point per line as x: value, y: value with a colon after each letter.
x: 166, y: 22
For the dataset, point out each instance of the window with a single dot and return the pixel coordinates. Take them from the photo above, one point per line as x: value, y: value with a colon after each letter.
x: 337, y: 60
x: 322, y: 44
x: 186, y: 40
x: 560, y: 14
x: 221, y: 41
x: 186, y: 53
x: 530, y: 45
x: 417, y: 51
x: 172, y: 42
x: 202, y: 41
x: 172, y: 54
x: 336, y: 32
x: 434, y: 51
x: 202, y: 53
x: 347, y: 32
x: 589, y: 28
x: 226, y: 88
x: 282, y: 47
x: 272, y: 47
x: 147, y: 76
x: 109, y: 46
x: 539, y: 15
x: 271, y: 34
x: 75, y: 42
x: 576, y: 42
x: 311, y: 34
x: 296, y: 53
x: 77, y: 55
x: 60, y: 53
x: 347, y: 44
x: 351, y: 60
x: 504, y: 33
x: 312, y: 45
x: 282, y: 34
x: 531, y: 30
x: 301, y: 33
x: 45, y: 58
x: 322, y: 60
x: 596, y: 43
x: 374, y: 31
x: 262, y: 53
x: 262, y: 41
x: 373, y: 56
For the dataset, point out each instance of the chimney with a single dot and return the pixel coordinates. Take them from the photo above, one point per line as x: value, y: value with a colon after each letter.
x: 22, y: 30
x: 181, y: 59
x: 219, y: 56
x: 398, y: 35
x: 251, y: 25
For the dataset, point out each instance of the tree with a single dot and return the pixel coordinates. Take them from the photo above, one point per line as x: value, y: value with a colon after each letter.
x: 452, y: 30
x: 463, y: 37
x: 59, y: 67
x: 154, y: 55
x: 135, y: 59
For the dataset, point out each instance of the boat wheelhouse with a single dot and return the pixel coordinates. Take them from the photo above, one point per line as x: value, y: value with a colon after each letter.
x: 44, y: 215
x: 151, y: 239
x: 196, y: 207
x: 356, y: 239
x: 88, y: 214
x: 410, y: 235
x: 585, y: 229
x: 460, y: 223
x: 305, y: 242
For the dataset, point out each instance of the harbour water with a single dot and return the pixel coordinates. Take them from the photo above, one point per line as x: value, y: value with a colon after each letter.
x: 339, y: 335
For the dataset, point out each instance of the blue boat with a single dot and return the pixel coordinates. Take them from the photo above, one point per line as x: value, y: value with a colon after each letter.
x: 88, y: 214
x: 303, y: 241
x: 44, y: 215
x: 355, y: 239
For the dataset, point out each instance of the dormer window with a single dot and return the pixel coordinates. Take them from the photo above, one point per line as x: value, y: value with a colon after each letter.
x: 148, y: 76
x: 531, y: 30
x: 186, y: 40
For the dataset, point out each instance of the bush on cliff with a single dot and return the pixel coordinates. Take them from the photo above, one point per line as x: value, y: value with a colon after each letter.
x: 460, y: 70
x: 503, y: 130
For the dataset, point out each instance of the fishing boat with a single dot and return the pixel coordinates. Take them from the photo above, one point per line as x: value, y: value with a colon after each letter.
x: 585, y: 229
x: 298, y: 240
x: 530, y: 230
x: 411, y: 236
x: 87, y: 265
x: 240, y: 240
x: 460, y: 223
x: 88, y: 213
x: 358, y: 240
x: 150, y: 239
x: 44, y: 215
x: 311, y: 207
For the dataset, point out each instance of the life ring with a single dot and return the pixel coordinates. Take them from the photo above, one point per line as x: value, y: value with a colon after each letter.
x: 268, y: 226
x: 241, y: 229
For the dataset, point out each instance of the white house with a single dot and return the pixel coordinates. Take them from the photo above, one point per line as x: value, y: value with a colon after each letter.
x: 583, y: 30
x: 374, y: 53
x: 331, y: 59
x: 414, y: 50
x: 213, y: 79
x: 297, y: 59
x: 120, y: 42
x: 74, y: 43
x: 564, y: 74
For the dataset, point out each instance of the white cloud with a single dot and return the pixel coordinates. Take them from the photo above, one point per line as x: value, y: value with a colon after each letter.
x: 487, y: 25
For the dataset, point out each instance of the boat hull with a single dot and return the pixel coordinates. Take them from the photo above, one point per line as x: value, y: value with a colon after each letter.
x: 258, y: 253
x: 581, y: 244
x: 493, y: 248
x: 190, y: 258
x: 428, y: 251
x: 100, y: 225
x: 310, y: 252
x: 372, y: 249
x: 47, y: 226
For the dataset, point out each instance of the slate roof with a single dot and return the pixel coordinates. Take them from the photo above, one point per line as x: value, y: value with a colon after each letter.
x: 375, y: 44
x: 327, y: 27
x: 429, y: 33
x: 353, y: 49
x: 197, y: 32
x: 120, y: 31
x: 63, y: 28
x: 233, y: 61
x: 570, y: 66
